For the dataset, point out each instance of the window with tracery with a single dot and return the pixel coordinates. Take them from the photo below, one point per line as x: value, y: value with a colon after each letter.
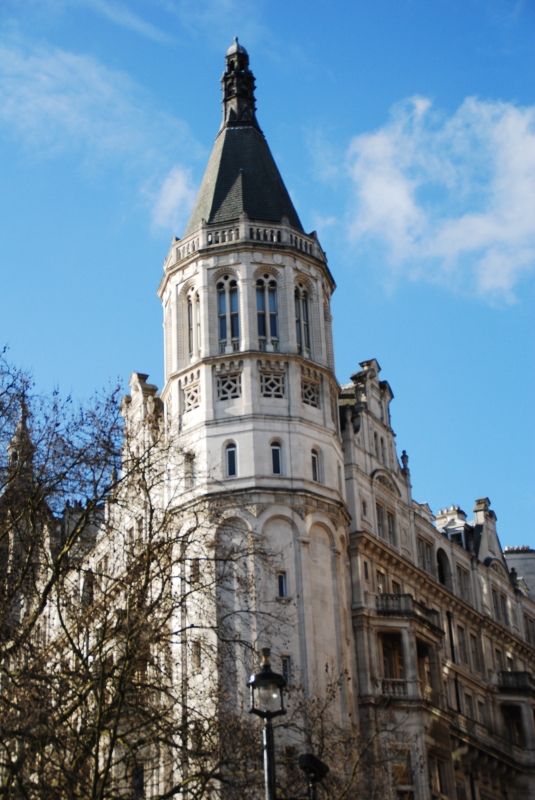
x: 228, y: 314
x: 267, y: 313
x: 194, y: 325
x: 302, y: 323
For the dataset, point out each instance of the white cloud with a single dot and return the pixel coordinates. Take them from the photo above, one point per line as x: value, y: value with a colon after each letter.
x: 55, y: 102
x: 451, y: 198
x: 126, y: 18
x: 174, y: 200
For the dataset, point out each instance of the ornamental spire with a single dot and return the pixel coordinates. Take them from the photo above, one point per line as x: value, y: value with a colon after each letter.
x: 238, y: 87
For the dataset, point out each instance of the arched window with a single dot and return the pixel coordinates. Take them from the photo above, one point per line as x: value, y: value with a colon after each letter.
x: 190, y: 327
x: 194, y: 325
x: 315, y: 459
x: 443, y: 569
x: 228, y: 314
x: 302, y: 327
x: 267, y: 313
x: 231, y: 457
x: 276, y: 458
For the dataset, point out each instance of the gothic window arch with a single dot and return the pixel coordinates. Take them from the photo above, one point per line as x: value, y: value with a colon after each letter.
x: 302, y: 319
x: 267, y: 313
x: 228, y: 314
x: 276, y: 457
x: 316, y: 464
x: 231, y: 460
x: 194, y: 324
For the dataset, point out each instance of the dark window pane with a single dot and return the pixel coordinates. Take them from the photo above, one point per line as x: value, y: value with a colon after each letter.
x: 314, y: 466
x: 234, y: 300
x: 276, y: 460
x: 235, y: 326
x: 231, y: 461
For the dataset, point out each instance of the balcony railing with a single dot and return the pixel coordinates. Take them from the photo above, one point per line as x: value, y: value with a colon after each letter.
x: 393, y: 687
x: 406, y: 605
x: 516, y: 682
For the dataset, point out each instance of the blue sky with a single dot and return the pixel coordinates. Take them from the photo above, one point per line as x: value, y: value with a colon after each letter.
x: 405, y: 132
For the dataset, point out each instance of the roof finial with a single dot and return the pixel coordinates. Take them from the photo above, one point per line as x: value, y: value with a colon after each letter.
x: 238, y: 88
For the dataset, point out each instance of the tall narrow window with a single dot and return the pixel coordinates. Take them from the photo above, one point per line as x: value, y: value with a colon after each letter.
x: 503, y: 609
x: 315, y: 456
x: 390, y: 526
x: 383, y: 451
x: 138, y: 782
x: 393, y: 666
x: 189, y: 470
x: 282, y: 584
x: 302, y: 326
x: 228, y: 315
x: 376, y: 445
x: 381, y: 584
x: 381, y: 521
x: 286, y: 664
x: 496, y: 605
x: 267, y: 313
x: 276, y: 461
x: 222, y: 315
x: 232, y: 461
x: 198, y: 324
x: 197, y: 655
x: 463, y: 650
x: 194, y: 325
x: 234, y: 313
x: 190, y: 327
x: 261, y: 312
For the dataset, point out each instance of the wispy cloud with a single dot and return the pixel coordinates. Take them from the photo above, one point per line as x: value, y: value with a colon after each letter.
x: 174, y: 200
x: 124, y: 16
x: 451, y: 198
x: 55, y: 102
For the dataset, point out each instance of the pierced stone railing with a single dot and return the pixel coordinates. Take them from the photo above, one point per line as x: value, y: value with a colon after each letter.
x: 405, y: 604
x: 394, y: 687
x: 516, y: 682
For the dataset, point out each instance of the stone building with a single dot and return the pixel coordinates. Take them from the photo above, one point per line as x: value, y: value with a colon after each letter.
x: 422, y: 611
x: 433, y: 624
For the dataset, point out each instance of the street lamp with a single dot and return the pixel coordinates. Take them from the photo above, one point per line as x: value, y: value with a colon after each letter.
x: 315, y: 771
x: 267, y: 701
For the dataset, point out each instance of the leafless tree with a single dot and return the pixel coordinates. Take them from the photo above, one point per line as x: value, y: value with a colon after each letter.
x: 126, y: 619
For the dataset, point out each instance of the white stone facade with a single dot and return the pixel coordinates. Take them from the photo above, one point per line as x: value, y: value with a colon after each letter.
x: 421, y: 612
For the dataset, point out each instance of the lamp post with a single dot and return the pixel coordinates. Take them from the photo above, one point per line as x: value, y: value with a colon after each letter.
x: 315, y: 771
x: 267, y: 701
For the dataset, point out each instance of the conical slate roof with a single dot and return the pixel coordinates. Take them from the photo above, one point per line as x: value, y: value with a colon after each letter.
x: 241, y: 175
